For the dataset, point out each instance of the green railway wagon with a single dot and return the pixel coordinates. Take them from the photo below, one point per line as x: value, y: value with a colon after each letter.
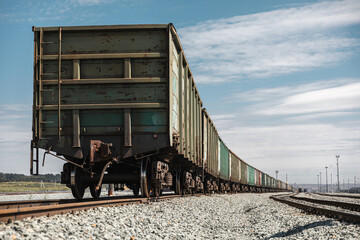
x: 276, y: 185
x: 250, y: 175
x: 269, y: 181
x: 263, y: 180
x: 223, y: 160
x: 114, y: 99
x: 267, y: 178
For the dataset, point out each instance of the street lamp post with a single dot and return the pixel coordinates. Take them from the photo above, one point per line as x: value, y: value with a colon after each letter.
x: 327, y: 187
x: 320, y: 181
x: 331, y: 186
x: 338, y: 178
x: 355, y: 182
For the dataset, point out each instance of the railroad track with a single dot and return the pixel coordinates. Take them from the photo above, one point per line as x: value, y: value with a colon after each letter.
x: 321, y: 207
x: 340, y: 204
x: 16, y: 210
x: 338, y: 195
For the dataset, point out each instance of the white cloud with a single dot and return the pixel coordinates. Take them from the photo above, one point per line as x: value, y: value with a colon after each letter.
x: 16, y: 107
x: 15, y: 137
x: 340, y: 98
x: 327, y: 115
x: 90, y: 2
x: 264, y: 94
x: 334, y: 97
x: 270, y: 43
x: 15, y: 124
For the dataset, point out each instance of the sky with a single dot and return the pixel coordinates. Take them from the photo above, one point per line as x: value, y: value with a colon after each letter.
x: 280, y: 79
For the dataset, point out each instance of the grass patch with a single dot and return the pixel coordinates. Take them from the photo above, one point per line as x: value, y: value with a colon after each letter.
x: 12, y: 187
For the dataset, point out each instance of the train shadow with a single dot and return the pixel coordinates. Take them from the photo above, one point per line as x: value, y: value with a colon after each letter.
x: 299, y: 229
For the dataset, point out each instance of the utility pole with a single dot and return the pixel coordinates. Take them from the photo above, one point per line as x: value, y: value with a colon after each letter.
x: 331, y: 185
x: 320, y: 181
x: 327, y: 187
x: 286, y: 179
x: 355, y: 182
x: 276, y: 174
x: 348, y: 185
x: 338, y: 178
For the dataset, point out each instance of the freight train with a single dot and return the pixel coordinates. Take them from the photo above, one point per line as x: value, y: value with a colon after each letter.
x: 119, y: 104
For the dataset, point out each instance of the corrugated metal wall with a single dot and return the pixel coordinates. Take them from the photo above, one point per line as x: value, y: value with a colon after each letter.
x: 263, y: 179
x: 244, y: 175
x: 211, y: 146
x: 250, y: 175
x: 235, y: 168
x: 224, y: 161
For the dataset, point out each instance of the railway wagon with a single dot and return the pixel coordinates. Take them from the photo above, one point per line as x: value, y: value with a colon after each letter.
x: 119, y: 104
x: 244, y: 175
x: 251, y: 176
x: 263, y: 180
x: 257, y: 178
x: 239, y: 175
x: 119, y: 99
x: 235, y: 168
x: 210, y: 152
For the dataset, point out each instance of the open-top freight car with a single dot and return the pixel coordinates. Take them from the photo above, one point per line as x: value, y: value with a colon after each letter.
x: 119, y: 104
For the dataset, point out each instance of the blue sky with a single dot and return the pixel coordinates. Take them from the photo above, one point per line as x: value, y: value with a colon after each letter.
x: 281, y: 79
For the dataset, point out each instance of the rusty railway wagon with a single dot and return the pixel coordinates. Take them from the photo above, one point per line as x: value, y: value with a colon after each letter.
x: 119, y: 105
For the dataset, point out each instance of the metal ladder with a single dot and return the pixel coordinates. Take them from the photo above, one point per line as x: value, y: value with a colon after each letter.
x: 39, y: 102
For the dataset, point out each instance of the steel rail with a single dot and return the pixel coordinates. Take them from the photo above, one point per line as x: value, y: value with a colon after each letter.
x: 28, y: 203
x: 12, y: 214
x: 320, y: 210
x: 16, y: 210
x: 341, y: 196
x: 345, y: 205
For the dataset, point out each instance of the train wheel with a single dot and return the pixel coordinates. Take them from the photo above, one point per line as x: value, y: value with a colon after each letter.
x: 95, y: 193
x: 177, y: 183
x: 77, y: 185
x: 145, y: 178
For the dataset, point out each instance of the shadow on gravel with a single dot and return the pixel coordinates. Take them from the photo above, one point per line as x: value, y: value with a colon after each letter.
x: 301, y: 228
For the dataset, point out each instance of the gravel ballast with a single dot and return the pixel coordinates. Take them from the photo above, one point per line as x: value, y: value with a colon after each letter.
x: 237, y: 216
